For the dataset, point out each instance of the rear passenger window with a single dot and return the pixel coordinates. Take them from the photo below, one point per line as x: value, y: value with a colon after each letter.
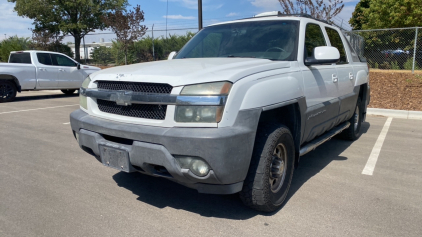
x: 336, y: 41
x: 44, y: 58
x: 20, y: 58
x: 313, y: 38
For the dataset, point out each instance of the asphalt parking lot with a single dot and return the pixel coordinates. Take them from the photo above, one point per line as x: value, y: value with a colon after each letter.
x: 50, y: 187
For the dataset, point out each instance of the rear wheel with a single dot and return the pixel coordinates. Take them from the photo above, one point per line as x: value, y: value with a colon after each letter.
x: 271, y: 169
x: 354, y: 131
x: 7, y: 91
x: 68, y: 92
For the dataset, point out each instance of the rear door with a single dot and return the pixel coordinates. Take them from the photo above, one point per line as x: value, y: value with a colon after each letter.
x: 321, y: 87
x: 69, y: 75
x: 47, y: 73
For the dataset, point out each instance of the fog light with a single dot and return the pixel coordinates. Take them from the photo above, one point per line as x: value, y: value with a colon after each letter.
x: 194, y: 164
x: 199, y: 168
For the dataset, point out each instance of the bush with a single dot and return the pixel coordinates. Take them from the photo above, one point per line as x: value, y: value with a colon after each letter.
x: 102, y: 55
x: 408, y: 65
x: 395, y: 65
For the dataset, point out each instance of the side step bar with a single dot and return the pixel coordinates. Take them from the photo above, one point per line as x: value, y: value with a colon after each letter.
x: 325, y: 137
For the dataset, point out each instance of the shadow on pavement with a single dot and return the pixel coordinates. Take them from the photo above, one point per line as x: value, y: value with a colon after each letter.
x: 163, y: 193
x: 312, y: 163
x: 42, y: 97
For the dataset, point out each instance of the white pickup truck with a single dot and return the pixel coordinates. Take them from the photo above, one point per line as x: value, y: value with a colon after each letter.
x: 233, y: 111
x: 40, y: 70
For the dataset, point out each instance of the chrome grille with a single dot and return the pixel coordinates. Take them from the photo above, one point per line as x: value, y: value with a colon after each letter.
x: 146, y: 111
x: 157, y: 112
x: 135, y: 86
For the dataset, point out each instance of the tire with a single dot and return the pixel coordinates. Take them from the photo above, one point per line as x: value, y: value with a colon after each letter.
x: 68, y: 92
x: 355, y: 130
x: 260, y: 190
x: 7, y: 91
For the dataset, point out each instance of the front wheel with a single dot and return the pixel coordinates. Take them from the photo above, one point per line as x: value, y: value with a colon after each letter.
x: 271, y: 170
x: 68, y: 92
x: 7, y: 91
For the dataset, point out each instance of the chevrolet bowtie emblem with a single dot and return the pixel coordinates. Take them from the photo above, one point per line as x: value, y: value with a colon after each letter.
x: 123, y: 98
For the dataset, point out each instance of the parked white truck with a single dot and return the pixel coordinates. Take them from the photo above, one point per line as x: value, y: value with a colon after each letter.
x: 40, y: 70
x: 233, y: 111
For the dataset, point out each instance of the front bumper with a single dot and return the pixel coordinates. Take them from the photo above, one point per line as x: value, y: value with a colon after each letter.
x: 227, y: 150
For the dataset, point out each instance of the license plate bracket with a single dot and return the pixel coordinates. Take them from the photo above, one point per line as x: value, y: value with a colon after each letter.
x: 115, y: 158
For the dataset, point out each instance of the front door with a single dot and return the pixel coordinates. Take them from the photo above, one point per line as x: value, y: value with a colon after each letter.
x: 69, y: 75
x: 348, y: 94
x: 320, y: 88
x: 47, y: 74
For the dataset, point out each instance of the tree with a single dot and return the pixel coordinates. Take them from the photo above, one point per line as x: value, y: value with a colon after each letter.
x: 392, y: 14
x: 358, y: 18
x: 44, y: 39
x: 13, y: 43
x: 127, y: 26
x: 316, y: 8
x: 74, y: 17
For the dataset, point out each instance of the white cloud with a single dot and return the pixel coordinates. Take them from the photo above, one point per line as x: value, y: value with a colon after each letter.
x: 232, y: 14
x: 179, y: 17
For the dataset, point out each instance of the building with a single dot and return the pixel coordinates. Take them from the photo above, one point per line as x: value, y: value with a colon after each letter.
x: 86, y: 53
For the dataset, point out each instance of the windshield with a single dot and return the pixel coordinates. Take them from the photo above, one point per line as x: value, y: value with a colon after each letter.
x: 274, y: 40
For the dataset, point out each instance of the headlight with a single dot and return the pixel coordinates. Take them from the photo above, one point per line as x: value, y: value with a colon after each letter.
x: 202, y: 113
x: 214, y: 88
x: 82, y: 99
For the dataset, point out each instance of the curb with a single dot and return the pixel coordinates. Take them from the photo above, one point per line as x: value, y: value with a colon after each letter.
x: 403, y: 114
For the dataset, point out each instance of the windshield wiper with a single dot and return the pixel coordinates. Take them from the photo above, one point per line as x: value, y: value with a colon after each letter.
x: 233, y: 56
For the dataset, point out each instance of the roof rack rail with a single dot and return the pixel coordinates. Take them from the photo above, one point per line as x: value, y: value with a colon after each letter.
x: 279, y: 14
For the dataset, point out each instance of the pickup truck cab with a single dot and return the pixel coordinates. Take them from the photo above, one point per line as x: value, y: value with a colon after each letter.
x: 233, y: 111
x: 41, y: 70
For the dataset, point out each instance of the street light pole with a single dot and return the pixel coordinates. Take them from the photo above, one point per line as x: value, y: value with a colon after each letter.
x: 199, y: 14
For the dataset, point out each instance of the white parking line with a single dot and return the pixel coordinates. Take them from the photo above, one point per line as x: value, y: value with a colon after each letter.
x: 66, y: 123
x: 372, y: 161
x: 17, y: 111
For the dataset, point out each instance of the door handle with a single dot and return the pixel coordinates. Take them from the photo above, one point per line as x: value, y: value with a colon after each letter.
x: 351, y: 76
x: 335, y: 78
x: 41, y: 69
x: 61, y: 70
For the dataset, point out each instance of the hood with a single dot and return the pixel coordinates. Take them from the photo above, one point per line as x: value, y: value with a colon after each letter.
x: 180, y: 72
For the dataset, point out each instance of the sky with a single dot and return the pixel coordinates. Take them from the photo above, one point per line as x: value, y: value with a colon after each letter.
x: 182, y: 16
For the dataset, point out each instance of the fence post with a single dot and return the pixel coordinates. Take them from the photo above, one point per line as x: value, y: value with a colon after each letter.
x: 414, y: 51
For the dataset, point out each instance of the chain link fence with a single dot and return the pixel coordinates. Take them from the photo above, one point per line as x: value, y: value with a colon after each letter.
x: 389, y: 49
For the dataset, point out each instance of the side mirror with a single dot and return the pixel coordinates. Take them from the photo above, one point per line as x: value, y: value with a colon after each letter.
x: 323, y: 55
x: 78, y: 66
x: 171, y: 55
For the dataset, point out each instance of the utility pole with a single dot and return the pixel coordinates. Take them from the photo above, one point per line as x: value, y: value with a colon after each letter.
x: 153, y: 51
x: 167, y: 16
x: 199, y: 14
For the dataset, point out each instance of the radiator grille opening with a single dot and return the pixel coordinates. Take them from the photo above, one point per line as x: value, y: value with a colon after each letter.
x: 157, y: 112
x: 158, y: 88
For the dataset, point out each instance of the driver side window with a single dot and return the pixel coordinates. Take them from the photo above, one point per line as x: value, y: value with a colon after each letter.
x: 313, y: 38
x: 60, y: 60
